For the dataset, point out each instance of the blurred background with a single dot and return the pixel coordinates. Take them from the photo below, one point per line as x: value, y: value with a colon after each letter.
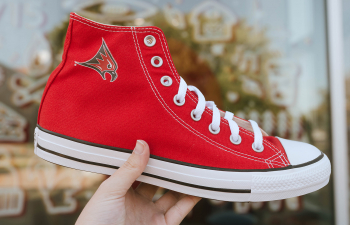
x: 265, y: 60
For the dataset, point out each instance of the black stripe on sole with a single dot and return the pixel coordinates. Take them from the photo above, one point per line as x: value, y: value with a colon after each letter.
x: 147, y: 174
x: 179, y: 162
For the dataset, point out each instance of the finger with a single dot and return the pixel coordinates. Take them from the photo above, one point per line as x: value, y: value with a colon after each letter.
x: 179, y: 211
x: 146, y: 190
x: 168, y: 200
x: 124, y: 177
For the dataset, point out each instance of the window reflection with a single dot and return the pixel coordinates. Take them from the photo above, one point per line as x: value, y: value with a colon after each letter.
x: 263, y: 60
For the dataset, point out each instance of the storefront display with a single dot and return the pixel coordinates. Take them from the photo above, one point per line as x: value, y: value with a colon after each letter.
x: 262, y: 60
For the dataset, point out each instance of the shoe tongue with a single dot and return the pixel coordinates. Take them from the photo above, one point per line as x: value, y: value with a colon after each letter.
x: 243, y: 123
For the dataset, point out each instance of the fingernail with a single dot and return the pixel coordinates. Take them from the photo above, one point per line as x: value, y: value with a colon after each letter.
x: 139, y: 147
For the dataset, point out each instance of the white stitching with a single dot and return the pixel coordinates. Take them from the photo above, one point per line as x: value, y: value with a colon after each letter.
x: 281, y: 159
x: 210, y: 113
x: 134, y: 31
x: 100, y: 28
x: 177, y: 119
x: 154, y: 89
x: 276, y: 157
x: 167, y: 59
x: 170, y: 64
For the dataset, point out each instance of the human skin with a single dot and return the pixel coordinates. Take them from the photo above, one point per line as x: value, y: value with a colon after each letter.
x: 116, y: 203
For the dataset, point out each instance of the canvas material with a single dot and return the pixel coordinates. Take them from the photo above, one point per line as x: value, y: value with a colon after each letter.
x: 78, y: 103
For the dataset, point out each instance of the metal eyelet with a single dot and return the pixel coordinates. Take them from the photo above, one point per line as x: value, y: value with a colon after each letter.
x: 212, y: 131
x: 160, y: 61
x: 166, y: 81
x: 236, y: 142
x: 257, y: 150
x: 149, y: 40
x: 178, y: 103
x: 195, y: 118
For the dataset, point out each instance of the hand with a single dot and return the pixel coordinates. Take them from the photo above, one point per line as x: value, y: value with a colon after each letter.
x: 115, y: 202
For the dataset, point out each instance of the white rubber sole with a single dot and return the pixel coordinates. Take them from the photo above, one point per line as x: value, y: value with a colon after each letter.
x: 233, y: 185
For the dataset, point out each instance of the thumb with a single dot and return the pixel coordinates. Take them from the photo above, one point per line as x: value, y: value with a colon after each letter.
x: 124, y: 177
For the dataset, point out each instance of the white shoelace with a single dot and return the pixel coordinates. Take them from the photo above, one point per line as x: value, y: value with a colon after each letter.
x: 214, y: 127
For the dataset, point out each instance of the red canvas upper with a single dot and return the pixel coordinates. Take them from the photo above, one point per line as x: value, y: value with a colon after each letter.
x: 79, y: 103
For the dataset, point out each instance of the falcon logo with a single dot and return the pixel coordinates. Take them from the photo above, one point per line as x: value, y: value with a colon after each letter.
x: 103, y: 62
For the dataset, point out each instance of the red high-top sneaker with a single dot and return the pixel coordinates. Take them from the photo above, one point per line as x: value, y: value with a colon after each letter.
x: 118, y: 84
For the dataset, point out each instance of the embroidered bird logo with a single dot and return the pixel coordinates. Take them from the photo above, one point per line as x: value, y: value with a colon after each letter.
x: 103, y: 62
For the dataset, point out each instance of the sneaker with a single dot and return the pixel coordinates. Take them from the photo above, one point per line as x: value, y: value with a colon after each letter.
x: 117, y: 84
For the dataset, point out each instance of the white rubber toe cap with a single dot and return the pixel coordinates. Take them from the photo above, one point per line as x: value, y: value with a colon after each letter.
x: 299, y: 152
